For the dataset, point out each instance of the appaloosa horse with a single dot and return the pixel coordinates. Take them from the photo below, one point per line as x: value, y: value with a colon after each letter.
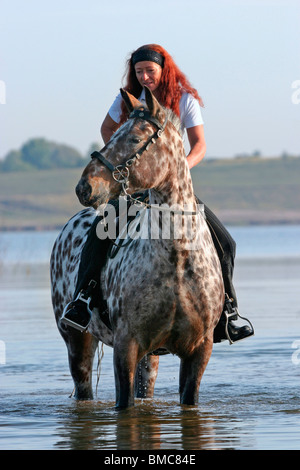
x: 161, y: 292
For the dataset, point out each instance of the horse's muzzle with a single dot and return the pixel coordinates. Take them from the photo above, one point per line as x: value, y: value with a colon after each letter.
x: 92, y: 196
x: 84, y: 191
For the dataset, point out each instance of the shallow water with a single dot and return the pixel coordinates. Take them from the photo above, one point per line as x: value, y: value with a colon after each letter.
x: 249, y: 395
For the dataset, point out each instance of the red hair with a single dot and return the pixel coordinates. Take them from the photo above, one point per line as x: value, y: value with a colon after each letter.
x: 173, y: 83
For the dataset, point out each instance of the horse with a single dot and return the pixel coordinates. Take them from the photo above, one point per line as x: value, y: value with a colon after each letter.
x: 162, y: 293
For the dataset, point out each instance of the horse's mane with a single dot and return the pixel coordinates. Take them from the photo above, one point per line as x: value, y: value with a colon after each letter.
x: 174, y: 119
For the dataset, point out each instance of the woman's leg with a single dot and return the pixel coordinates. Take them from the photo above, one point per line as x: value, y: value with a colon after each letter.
x: 93, y: 258
x: 226, y: 249
x: 88, y: 292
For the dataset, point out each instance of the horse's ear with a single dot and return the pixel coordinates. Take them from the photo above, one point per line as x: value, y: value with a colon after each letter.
x: 152, y: 103
x: 130, y: 100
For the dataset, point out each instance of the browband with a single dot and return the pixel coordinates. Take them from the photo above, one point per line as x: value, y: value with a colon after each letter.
x: 145, y: 114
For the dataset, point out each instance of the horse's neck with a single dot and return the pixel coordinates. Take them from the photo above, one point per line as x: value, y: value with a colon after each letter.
x: 177, y: 187
x: 175, y: 194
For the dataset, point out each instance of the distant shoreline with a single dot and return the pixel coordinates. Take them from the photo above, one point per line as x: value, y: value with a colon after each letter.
x: 241, y: 192
x: 227, y: 217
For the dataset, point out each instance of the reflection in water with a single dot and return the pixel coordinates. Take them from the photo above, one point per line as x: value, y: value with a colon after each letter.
x: 147, y: 426
x: 249, y: 396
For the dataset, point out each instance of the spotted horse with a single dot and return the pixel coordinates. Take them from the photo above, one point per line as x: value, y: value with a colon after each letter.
x: 163, y: 293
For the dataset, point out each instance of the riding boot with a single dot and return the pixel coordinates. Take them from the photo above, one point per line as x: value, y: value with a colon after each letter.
x: 226, y: 248
x: 78, y: 312
x: 226, y: 329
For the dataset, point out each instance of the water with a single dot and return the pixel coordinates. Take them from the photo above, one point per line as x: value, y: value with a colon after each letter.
x: 249, y: 395
x: 254, y: 241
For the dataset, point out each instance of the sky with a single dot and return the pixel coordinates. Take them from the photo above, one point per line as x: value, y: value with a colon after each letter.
x: 62, y: 64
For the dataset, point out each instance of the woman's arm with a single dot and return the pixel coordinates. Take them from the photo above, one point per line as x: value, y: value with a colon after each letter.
x: 108, y: 128
x: 198, y: 145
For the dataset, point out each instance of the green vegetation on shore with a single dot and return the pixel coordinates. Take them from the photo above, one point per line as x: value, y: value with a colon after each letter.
x: 251, y: 190
x: 42, y: 154
x: 246, y: 190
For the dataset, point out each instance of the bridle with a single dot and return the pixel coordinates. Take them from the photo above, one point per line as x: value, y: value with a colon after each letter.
x: 121, y: 173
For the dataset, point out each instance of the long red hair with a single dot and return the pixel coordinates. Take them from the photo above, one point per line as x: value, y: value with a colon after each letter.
x: 173, y: 83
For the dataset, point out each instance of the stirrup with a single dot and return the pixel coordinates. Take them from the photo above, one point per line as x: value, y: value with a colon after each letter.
x: 233, y: 315
x: 83, y: 296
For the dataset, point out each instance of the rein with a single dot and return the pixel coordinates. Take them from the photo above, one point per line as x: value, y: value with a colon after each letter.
x: 121, y: 173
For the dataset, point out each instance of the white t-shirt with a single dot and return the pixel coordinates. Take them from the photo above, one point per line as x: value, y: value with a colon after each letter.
x: 189, y: 108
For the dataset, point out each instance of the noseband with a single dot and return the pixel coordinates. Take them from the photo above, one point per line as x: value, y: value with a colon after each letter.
x: 120, y: 173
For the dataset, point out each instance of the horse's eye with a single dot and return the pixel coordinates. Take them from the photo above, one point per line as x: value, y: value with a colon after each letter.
x: 134, y: 140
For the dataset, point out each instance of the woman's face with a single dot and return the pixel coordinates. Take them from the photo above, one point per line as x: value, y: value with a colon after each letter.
x: 148, y: 74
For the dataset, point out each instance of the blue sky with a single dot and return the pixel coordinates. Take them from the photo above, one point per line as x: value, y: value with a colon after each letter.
x: 62, y: 63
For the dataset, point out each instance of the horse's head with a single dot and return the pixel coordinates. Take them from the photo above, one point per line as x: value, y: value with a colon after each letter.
x: 132, y: 159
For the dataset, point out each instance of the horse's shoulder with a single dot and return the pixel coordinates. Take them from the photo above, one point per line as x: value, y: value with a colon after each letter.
x: 80, y: 222
x: 75, y: 230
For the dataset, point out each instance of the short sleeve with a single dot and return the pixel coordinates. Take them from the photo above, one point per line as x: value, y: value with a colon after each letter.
x: 190, y: 111
x: 115, y: 110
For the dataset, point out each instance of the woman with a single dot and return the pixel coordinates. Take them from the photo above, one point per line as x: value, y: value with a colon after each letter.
x: 152, y: 66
